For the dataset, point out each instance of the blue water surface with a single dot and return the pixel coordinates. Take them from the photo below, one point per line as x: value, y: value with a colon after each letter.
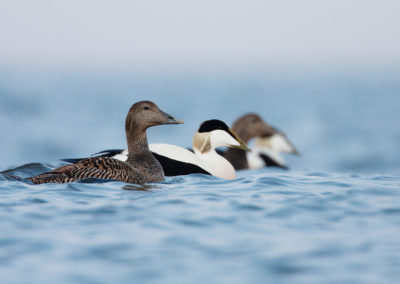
x: 333, y: 218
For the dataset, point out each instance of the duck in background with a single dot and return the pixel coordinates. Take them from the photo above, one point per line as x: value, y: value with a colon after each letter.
x: 204, y: 158
x: 268, y: 144
x: 140, y: 166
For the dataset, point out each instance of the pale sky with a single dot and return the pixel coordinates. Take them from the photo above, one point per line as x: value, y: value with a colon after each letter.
x: 137, y: 32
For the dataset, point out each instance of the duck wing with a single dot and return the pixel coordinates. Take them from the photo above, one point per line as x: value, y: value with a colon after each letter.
x: 98, y: 167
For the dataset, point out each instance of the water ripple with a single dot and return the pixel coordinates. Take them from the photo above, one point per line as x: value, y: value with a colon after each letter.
x: 289, y: 227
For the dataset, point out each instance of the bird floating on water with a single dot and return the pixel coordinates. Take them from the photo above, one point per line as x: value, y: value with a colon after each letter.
x: 211, y: 134
x: 140, y: 166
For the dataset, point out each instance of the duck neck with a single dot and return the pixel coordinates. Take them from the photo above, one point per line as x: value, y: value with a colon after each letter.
x: 138, y: 146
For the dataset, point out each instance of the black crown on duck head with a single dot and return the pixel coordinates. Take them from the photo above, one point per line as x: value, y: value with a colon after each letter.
x: 213, y: 124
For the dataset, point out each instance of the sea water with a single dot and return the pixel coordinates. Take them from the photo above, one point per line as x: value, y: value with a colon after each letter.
x: 334, y: 217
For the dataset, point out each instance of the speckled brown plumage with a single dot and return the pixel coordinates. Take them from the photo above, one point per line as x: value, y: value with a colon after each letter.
x: 140, y: 167
x: 101, y: 168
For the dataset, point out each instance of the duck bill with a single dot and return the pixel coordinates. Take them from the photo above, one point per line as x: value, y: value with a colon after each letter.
x: 242, y: 145
x: 170, y: 119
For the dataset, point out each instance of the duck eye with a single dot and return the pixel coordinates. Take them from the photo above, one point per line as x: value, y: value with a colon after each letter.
x: 146, y: 108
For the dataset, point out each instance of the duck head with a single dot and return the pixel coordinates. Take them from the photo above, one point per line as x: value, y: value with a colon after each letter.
x: 145, y: 114
x: 215, y: 133
x: 250, y: 126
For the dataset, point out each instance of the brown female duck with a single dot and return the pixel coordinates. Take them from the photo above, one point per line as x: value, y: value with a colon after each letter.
x: 140, y: 167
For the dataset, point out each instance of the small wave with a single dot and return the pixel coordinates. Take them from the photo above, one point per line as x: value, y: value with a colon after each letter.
x: 264, y: 224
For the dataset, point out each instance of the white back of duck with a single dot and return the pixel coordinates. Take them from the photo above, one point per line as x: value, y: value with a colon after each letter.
x: 175, y: 152
x: 123, y: 156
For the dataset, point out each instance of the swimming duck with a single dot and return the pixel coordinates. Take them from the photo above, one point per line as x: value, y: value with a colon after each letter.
x: 268, y: 144
x: 140, y: 166
x: 203, y: 159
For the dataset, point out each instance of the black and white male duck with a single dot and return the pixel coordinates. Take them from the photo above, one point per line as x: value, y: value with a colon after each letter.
x: 140, y: 166
x: 204, y: 158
